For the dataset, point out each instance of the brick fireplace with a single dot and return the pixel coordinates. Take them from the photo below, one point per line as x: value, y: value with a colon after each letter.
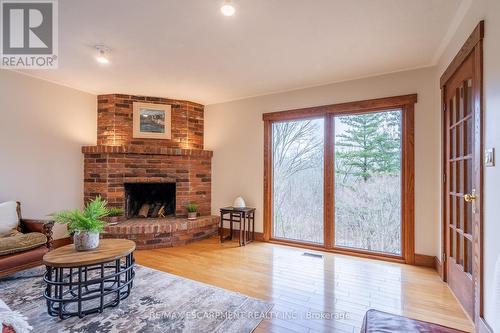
x: 119, y: 164
x: 162, y: 195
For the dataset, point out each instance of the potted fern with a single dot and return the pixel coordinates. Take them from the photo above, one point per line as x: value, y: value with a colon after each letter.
x: 115, y: 215
x: 192, y: 210
x: 85, y: 225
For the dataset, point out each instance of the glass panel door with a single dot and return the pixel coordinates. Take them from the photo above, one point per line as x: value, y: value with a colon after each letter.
x: 460, y: 160
x: 297, y: 155
x: 368, y: 181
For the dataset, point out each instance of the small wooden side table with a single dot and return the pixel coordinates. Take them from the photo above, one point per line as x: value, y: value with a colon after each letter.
x: 245, y: 217
x: 81, y: 283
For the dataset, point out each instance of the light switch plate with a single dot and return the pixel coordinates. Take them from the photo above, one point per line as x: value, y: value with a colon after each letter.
x: 489, y: 157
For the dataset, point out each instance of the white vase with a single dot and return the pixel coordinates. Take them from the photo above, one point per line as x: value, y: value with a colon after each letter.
x: 85, y: 240
x: 239, y: 203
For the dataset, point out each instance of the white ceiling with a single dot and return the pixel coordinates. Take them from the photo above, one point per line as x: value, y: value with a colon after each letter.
x: 186, y: 49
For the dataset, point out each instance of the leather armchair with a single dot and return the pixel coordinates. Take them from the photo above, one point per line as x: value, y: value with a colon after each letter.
x: 19, y: 261
x: 377, y: 321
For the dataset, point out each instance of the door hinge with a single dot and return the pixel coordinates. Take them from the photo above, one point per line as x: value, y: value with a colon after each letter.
x: 444, y: 178
x: 443, y: 259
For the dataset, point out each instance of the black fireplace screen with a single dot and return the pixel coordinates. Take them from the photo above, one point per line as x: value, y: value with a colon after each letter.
x: 154, y: 200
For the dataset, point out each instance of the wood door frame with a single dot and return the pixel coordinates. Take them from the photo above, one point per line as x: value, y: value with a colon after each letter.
x: 473, y: 44
x: 406, y: 103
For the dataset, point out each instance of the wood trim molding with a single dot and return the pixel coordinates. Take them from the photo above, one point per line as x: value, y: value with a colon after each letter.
x: 444, y: 194
x: 342, y: 108
x: 439, y: 266
x: 268, y: 188
x: 425, y: 260
x: 478, y: 248
x: 475, y: 37
x: 19, y: 268
x: 360, y: 254
x: 408, y: 184
x: 259, y: 236
x: 483, y: 327
x: 329, y: 183
x: 407, y: 104
x: 428, y: 261
x: 61, y: 242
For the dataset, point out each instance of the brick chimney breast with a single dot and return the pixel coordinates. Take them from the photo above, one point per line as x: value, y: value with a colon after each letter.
x: 118, y: 158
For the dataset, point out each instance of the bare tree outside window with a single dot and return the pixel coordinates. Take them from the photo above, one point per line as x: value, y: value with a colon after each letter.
x: 298, y: 180
x: 367, y: 181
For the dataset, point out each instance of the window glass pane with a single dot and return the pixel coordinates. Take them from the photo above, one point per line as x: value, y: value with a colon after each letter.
x: 368, y: 181
x: 470, y: 101
x: 460, y: 254
x: 298, y: 148
x: 453, y: 177
x: 469, y: 136
x: 452, y: 243
x: 453, y: 104
x: 453, y: 208
x: 468, y: 244
x: 453, y: 142
x: 461, y: 103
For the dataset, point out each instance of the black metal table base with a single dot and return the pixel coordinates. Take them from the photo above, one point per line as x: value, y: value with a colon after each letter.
x: 80, y: 291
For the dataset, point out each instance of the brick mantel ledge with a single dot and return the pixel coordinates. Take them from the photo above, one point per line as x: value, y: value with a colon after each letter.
x: 146, y: 150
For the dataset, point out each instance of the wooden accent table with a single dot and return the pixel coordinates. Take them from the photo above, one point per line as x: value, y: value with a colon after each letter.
x: 84, y: 282
x: 243, y: 216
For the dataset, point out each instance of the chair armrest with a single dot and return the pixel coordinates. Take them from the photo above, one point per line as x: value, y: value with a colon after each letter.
x: 7, y: 329
x: 42, y: 226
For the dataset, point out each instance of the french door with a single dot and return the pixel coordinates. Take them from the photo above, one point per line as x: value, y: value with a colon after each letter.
x: 340, y: 177
x: 460, y: 184
x: 462, y: 162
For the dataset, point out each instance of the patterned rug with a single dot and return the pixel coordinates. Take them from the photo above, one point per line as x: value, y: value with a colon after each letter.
x: 159, y: 302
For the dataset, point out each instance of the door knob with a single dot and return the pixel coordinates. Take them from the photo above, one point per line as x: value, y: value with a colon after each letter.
x: 470, y: 197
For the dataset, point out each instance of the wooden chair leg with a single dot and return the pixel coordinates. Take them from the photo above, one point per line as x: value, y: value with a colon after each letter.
x: 244, y: 222
x: 221, y: 231
x: 242, y: 231
x: 253, y: 227
x: 231, y: 226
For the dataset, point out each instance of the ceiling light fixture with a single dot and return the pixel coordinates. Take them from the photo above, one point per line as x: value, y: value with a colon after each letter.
x: 227, y: 8
x: 102, y: 54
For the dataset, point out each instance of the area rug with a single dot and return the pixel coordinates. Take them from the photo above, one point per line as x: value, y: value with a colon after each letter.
x: 159, y: 302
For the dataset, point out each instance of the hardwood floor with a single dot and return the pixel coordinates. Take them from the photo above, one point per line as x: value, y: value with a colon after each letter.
x: 303, y: 286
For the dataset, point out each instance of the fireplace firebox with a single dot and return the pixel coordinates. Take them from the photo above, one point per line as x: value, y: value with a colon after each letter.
x: 149, y: 200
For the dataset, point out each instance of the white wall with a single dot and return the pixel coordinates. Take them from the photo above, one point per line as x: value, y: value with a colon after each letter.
x: 488, y: 10
x: 42, y: 129
x: 234, y: 130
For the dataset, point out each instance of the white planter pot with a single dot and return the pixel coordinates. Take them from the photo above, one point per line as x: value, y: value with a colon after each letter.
x: 85, y: 240
x: 192, y: 216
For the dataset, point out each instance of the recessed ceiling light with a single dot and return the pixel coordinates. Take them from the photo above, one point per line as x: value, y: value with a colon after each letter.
x: 102, y: 54
x: 227, y: 8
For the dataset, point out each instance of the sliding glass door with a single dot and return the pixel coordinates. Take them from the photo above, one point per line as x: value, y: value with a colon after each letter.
x: 368, y: 181
x: 297, y: 155
x: 343, y: 179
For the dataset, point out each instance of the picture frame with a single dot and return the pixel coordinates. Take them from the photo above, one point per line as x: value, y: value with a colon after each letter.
x: 152, y: 121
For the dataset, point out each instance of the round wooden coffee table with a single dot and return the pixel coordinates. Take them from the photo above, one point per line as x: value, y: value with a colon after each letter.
x: 84, y: 282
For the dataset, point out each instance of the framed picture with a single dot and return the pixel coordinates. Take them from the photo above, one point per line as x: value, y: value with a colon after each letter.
x: 152, y: 121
